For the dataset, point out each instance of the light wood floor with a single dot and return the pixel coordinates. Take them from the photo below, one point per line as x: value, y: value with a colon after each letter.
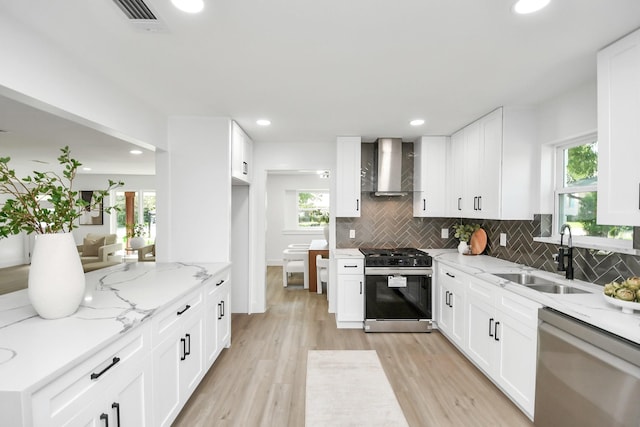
x: 260, y: 380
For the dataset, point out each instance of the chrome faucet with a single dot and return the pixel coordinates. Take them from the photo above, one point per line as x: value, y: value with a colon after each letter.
x: 566, y: 252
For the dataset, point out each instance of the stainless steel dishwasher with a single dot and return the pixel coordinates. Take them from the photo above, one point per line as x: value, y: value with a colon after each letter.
x: 585, y: 376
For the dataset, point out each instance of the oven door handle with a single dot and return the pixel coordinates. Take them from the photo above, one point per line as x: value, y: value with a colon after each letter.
x: 397, y: 272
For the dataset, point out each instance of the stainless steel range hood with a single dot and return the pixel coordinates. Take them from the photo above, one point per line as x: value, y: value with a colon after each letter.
x: 388, y: 166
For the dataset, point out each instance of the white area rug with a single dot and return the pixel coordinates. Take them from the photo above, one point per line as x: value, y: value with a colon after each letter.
x: 349, y: 388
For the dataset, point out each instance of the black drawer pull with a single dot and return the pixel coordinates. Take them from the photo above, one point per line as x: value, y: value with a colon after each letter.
x: 222, y: 303
x: 188, y: 352
x: 459, y: 200
x: 181, y: 312
x: 105, y: 417
x: 350, y: 266
x: 184, y: 349
x: 496, y: 332
x: 424, y: 205
x: 219, y: 311
x: 450, y: 275
x: 491, y: 327
x: 357, y: 205
x: 220, y: 282
x: 95, y: 376
x: 116, y: 406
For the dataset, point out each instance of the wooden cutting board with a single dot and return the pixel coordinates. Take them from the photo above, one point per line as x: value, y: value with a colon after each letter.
x: 478, y: 242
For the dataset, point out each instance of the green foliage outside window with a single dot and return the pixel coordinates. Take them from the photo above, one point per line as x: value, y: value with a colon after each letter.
x: 313, y: 209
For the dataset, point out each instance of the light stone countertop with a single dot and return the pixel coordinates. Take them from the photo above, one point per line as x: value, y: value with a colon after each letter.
x: 590, y: 308
x: 347, y: 253
x: 33, y: 350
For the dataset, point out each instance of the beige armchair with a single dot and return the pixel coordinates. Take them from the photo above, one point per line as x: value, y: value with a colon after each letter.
x: 147, y: 253
x: 98, y: 248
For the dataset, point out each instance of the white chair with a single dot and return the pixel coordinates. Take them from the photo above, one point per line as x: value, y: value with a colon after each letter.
x: 293, y: 261
x: 299, y: 246
x: 322, y: 269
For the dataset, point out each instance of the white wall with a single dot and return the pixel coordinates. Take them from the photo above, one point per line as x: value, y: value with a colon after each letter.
x: 281, y: 211
x: 38, y: 73
x: 284, y: 157
x: 568, y: 115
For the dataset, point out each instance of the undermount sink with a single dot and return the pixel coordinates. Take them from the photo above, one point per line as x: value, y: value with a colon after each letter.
x: 539, y: 283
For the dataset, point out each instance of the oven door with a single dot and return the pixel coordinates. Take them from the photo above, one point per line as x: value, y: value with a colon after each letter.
x: 398, y: 294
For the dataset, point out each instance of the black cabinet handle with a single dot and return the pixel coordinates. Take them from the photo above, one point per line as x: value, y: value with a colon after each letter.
x: 219, y: 311
x: 105, y: 417
x: 491, y: 327
x: 116, y: 406
x: 181, y: 312
x: 450, y: 275
x: 220, y: 282
x: 95, y: 376
x: 446, y: 298
x: 496, y: 332
x: 222, y: 302
x: 424, y: 205
x: 357, y: 205
x: 451, y: 299
x: 184, y: 349
x: 459, y: 200
x: 188, y: 352
x: 479, y: 203
x: 360, y: 288
x: 350, y: 266
x: 245, y: 168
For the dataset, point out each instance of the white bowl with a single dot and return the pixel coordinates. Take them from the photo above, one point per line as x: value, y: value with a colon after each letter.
x: 627, y: 306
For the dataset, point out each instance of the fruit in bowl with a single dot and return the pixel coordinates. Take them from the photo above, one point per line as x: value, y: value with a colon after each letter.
x: 629, y: 290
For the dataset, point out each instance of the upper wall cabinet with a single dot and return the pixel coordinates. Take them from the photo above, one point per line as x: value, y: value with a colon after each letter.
x: 429, y: 174
x: 619, y: 132
x: 490, y: 166
x: 348, y: 203
x: 241, y: 155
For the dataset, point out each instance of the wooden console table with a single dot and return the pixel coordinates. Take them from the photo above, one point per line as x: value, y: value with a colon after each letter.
x: 317, y: 247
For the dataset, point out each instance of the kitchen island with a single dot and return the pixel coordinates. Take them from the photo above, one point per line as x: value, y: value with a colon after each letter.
x: 161, y: 324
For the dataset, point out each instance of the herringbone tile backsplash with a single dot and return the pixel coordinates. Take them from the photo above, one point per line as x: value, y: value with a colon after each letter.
x: 388, y: 222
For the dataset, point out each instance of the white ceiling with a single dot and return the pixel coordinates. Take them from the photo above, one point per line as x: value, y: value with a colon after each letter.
x: 318, y: 69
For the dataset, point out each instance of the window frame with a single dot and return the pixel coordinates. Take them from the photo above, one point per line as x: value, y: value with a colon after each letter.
x: 297, y: 208
x: 560, y: 188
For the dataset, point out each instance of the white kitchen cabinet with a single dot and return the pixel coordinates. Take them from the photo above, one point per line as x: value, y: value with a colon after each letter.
x: 241, y: 155
x: 348, y: 173
x: 350, y: 301
x: 178, y: 360
x: 429, y: 173
x: 451, y: 304
x: 217, y: 317
x: 502, y: 340
x: 115, y: 381
x: 619, y: 132
x: 491, y: 166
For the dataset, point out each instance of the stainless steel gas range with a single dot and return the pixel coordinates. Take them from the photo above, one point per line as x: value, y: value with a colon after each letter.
x: 397, y: 292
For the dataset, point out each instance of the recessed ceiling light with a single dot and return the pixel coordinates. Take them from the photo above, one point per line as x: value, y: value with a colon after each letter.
x: 136, y: 152
x: 263, y: 122
x: 189, y: 6
x: 529, y: 6
x: 416, y: 122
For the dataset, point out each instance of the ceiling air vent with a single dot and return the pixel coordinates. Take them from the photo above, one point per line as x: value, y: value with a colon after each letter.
x: 141, y: 15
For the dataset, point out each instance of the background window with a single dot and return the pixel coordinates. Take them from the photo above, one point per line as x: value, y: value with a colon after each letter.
x: 577, y: 192
x: 313, y: 208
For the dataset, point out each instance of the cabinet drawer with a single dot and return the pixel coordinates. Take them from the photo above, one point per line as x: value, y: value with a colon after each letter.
x: 350, y: 266
x: 519, y: 308
x: 169, y: 320
x: 217, y: 282
x: 60, y: 400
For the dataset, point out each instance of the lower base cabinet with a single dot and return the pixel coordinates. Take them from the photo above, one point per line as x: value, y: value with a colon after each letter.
x: 500, y: 336
x: 350, y: 293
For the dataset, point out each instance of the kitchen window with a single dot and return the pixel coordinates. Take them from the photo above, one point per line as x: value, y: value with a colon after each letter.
x: 576, y: 195
x: 312, y: 208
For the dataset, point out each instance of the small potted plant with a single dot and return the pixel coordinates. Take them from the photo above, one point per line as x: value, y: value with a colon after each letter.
x: 135, y: 234
x: 46, y: 204
x: 463, y: 233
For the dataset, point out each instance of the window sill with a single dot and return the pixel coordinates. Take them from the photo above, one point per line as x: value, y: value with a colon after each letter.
x: 623, y: 249
x: 303, y: 231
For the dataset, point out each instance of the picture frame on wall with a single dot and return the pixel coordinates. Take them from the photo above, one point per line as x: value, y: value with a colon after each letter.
x: 91, y: 216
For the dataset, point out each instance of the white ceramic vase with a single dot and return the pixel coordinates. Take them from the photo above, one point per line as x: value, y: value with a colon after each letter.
x: 56, y: 278
x: 136, y: 242
x: 463, y: 247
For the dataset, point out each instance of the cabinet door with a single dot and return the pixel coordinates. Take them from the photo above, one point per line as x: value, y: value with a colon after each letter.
x: 515, y: 367
x: 191, y: 366
x: 619, y: 132
x: 132, y: 399
x: 166, y: 382
x: 348, y: 203
x: 429, y: 175
x: 224, y: 318
x: 490, y: 161
x: 481, y: 324
x: 452, y: 304
x: 457, y: 174
x: 445, y: 314
x: 350, y: 298
x: 472, y: 160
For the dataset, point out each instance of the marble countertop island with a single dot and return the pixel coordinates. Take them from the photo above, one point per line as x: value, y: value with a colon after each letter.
x: 117, y: 299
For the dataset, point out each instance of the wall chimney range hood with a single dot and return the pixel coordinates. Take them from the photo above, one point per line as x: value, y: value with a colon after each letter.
x: 388, y: 167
